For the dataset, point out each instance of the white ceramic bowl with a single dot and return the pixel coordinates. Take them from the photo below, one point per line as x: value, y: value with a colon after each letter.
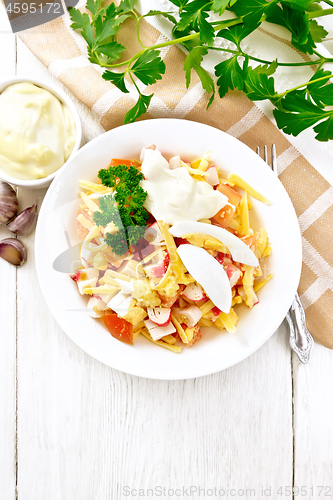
x: 56, y: 231
x: 45, y: 181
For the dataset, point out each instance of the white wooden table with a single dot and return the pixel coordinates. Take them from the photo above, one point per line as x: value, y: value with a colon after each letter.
x: 74, y: 429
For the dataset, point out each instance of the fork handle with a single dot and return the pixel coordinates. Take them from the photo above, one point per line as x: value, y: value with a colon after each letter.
x: 300, y: 339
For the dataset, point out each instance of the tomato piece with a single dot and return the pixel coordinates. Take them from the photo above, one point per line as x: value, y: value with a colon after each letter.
x: 117, y: 161
x: 224, y: 216
x: 181, y: 241
x: 251, y: 241
x: 216, y: 311
x: 119, y: 328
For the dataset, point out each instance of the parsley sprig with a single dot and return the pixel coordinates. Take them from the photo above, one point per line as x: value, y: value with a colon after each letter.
x: 124, y: 207
x: 307, y: 105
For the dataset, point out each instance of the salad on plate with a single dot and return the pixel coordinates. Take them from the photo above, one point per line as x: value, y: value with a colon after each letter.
x: 168, y: 248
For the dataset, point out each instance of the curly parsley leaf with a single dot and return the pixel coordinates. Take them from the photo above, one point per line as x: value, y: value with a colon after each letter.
x: 108, y: 212
x: 120, y: 176
x: 124, y: 207
x: 138, y: 109
x: 118, y: 79
x: 193, y: 61
x: 194, y: 15
x: 257, y: 85
x: 135, y: 233
x: 230, y: 75
x: 117, y: 242
x: 149, y: 67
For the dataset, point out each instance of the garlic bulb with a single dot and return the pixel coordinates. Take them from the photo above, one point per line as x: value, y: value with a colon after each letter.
x: 8, y: 202
x: 25, y: 222
x: 13, y: 251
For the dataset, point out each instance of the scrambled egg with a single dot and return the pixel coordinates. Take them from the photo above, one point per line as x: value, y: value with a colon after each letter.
x: 144, y: 293
x: 171, y: 287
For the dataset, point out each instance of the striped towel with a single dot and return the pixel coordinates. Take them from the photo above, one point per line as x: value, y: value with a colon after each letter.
x: 305, y: 166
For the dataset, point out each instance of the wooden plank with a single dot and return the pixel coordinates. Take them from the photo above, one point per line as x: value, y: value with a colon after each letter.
x: 313, y: 424
x: 7, y: 315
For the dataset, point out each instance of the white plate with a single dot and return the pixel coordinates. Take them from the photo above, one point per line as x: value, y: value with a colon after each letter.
x: 217, y: 350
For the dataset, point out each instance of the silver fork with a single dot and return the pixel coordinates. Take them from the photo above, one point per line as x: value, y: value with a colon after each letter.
x: 300, y: 339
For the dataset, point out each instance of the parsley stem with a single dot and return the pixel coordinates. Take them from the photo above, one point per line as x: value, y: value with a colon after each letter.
x: 264, y: 61
x: 135, y: 85
x: 320, y: 13
x: 158, y: 46
x: 226, y: 23
x: 329, y: 2
x: 279, y: 96
x: 175, y: 41
x: 138, y: 32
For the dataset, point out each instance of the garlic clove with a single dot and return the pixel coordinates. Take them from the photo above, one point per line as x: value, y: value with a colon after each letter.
x: 25, y: 222
x: 8, y: 202
x: 13, y: 251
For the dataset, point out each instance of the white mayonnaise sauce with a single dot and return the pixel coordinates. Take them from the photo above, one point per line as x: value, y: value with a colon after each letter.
x: 173, y: 195
x: 37, y: 131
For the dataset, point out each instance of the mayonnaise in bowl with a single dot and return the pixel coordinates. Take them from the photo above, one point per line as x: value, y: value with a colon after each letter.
x: 37, y: 131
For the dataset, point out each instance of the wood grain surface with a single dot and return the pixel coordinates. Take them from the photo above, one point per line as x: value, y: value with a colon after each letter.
x: 74, y: 429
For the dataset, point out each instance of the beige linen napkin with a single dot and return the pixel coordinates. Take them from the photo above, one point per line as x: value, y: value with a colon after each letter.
x: 63, y: 52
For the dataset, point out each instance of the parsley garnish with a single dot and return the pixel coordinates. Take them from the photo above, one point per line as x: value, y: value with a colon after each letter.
x: 124, y: 207
x: 307, y: 105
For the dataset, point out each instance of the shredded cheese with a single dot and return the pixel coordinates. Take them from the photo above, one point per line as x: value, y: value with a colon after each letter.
x: 179, y: 329
x: 173, y: 348
x: 262, y: 242
x: 248, y: 276
x: 92, y: 186
x: 89, y: 202
x: 236, y: 179
x: 244, y: 216
x: 114, y: 274
x: 205, y: 322
x: 227, y: 321
x: 152, y: 255
x: 169, y: 339
x: 101, y: 289
x: 193, y: 171
x: 262, y: 283
x: 206, y: 307
x: 175, y: 262
x: 85, y: 222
